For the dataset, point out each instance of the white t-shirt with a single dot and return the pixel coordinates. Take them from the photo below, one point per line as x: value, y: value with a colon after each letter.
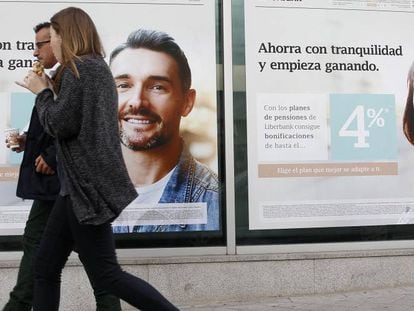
x: 151, y: 194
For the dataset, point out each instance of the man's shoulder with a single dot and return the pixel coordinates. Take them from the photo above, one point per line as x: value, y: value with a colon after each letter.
x: 205, y: 175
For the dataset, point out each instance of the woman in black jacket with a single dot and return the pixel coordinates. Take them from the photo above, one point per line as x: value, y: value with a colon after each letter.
x: 95, y: 186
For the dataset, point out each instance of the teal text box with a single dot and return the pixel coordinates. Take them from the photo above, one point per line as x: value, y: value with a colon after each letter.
x: 363, y: 127
x: 20, y: 112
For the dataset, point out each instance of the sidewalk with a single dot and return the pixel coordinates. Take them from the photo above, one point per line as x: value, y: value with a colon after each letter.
x: 391, y: 299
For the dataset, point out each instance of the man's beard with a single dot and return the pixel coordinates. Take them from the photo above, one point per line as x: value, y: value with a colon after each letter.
x: 142, y: 143
x: 137, y: 140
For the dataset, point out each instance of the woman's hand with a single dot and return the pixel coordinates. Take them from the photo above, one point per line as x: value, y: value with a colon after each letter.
x: 34, y: 83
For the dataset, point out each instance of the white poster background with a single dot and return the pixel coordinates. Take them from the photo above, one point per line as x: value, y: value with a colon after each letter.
x: 327, y: 201
x: 190, y: 22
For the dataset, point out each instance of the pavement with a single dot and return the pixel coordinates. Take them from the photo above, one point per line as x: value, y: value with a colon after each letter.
x: 389, y: 299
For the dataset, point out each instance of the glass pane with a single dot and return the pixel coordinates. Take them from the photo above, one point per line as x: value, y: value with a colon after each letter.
x: 170, y: 115
x: 318, y: 102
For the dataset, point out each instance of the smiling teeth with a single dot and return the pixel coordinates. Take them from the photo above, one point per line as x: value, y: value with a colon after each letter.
x: 135, y: 121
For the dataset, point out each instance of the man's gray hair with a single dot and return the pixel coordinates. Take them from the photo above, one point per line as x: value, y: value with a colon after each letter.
x: 160, y: 42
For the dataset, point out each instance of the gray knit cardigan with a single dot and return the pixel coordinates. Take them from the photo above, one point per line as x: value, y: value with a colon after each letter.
x: 84, y: 120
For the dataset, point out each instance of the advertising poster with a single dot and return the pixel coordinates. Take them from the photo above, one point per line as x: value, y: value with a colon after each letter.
x: 326, y: 87
x: 191, y: 23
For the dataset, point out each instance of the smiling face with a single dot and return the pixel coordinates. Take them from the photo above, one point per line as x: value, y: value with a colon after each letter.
x: 151, y: 98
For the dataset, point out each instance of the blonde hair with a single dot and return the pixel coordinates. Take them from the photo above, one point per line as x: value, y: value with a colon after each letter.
x: 79, y: 36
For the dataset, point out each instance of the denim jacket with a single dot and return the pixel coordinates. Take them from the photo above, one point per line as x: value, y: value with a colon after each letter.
x: 191, y: 181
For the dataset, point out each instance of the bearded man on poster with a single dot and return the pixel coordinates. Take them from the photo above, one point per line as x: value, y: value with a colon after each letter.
x: 153, y: 80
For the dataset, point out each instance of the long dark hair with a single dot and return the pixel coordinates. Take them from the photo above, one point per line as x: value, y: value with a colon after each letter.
x: 408, y: 119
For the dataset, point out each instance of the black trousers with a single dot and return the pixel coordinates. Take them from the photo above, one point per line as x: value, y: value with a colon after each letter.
x: 96, y: 247
x: 21, y: 297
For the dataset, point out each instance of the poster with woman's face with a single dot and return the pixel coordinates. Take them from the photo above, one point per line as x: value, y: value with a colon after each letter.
x: 326, y: 88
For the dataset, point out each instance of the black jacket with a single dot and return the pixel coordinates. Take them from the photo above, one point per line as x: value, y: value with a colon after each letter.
x: 33, y: 185
x: 84, y: 119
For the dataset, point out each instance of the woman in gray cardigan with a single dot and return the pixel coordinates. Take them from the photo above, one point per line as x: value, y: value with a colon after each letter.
x: 95, y: 186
